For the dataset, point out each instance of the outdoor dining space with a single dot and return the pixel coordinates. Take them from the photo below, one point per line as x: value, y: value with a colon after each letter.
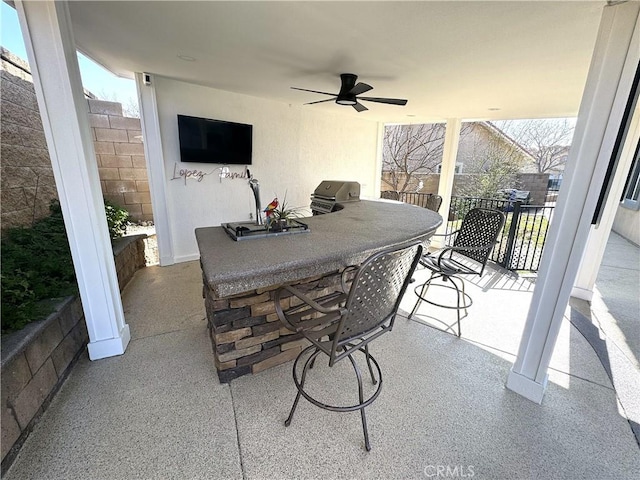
x: 160, y: 411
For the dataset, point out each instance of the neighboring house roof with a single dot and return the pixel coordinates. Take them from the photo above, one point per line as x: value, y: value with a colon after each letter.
x: 492, y: 131
x: 496, y: 131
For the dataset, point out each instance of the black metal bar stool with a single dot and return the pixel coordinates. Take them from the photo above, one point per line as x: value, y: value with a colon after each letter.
x: 471, y: 248
x: 345, y: 322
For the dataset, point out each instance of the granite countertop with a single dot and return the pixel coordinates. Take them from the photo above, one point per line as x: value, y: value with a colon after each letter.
x: 338, y: 239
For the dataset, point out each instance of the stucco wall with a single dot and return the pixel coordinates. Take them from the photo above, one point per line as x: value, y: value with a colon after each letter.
x: 478, y: 140
x: 627, y: 224
x: 294, y: 149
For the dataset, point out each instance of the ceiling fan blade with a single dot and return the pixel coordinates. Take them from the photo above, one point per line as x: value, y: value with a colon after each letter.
x: 391, y: 101
x: 321, y: 101
x: 360, y: 108
x: 360, y: 88
x: 312, y: 91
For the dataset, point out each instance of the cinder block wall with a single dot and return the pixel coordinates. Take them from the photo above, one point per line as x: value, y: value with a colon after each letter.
x: 537, y: 184
x: 27, y: 181
x: 120, y: 156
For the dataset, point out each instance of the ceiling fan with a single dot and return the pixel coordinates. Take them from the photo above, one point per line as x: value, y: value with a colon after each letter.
x: 349, y: 94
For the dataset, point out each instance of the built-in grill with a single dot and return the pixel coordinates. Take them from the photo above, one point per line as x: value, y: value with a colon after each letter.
x: 330, y: 194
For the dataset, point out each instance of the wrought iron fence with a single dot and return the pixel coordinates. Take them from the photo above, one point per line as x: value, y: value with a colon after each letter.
x: 524, y: 234
x: 523, y: 237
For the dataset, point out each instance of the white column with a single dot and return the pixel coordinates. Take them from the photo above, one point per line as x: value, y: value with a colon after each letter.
x: 599, y: 235
x: 447, y: 172
x: 154, y: 155
x: 377, y: 184
x: 46, y: 27
x: 607, y: 90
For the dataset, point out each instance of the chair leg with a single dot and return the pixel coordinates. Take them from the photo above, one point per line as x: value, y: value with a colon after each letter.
x: 423, y: 292
x: 460, y: 298
x: 367, y: 444
x: 466, y: 312
x: 307, y: 365
x: 366, y: 351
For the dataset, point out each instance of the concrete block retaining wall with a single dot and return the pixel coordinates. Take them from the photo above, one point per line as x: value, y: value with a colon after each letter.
x: 28, y: 184
x: 37, y: 359
x: 35, y: 363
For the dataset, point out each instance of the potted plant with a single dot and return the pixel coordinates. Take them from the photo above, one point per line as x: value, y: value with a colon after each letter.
x: 280, y: 215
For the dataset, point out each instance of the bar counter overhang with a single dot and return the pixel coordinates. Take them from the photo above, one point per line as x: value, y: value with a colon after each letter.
x: 241, y: 277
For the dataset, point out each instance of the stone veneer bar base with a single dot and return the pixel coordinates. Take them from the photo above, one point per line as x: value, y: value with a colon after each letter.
x: 246, y: 334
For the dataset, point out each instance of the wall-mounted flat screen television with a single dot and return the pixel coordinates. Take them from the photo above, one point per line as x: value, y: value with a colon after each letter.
x: 214, y: 141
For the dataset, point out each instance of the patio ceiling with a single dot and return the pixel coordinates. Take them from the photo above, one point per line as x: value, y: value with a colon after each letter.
x: 470, y: 60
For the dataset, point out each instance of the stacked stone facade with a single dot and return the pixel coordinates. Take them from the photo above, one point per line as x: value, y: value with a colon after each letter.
x: 246, y: 334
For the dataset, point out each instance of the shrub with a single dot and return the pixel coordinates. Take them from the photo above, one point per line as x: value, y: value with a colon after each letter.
x: 37, y: 266
x: 117, y: 219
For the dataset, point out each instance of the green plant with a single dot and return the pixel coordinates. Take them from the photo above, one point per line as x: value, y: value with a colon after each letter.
x: 280, y: 216
x: 117, y: 219
x: 36, y: 265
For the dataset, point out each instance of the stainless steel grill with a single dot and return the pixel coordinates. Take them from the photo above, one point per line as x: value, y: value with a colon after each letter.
x: 328, y: 196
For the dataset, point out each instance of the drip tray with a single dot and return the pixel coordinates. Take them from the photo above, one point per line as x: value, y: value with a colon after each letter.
x: 247, y: 230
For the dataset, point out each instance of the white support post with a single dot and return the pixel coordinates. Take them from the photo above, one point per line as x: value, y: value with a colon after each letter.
x: 606, y: 93
x: 377, y: 184
x: 48, y: 36
x: 447, y: 172
x: 155, y: 165
x: 599, y: 235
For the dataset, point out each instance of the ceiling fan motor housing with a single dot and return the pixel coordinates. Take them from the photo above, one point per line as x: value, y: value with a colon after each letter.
x: 345, y: 97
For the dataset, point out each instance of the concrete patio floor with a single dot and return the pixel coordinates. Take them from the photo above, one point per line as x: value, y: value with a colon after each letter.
x: 159, y: 411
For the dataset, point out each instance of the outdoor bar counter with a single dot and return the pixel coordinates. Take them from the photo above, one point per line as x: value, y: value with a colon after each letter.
x: 240, y: 277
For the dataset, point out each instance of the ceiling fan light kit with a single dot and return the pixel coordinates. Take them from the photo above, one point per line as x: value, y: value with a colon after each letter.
x: 349, y: 91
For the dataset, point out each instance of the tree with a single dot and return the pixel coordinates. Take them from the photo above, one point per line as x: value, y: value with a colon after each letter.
x: 548, y: 140
x: 493, y: 165
x: 130, y: 107
x: 409, y: 150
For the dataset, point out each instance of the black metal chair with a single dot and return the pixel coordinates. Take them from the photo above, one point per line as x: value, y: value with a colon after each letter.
x: 346, y: 321
x: 468, y: 255
x: 433, y: 202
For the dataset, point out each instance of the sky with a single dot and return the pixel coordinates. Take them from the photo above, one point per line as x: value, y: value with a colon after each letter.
x: 99, y: 81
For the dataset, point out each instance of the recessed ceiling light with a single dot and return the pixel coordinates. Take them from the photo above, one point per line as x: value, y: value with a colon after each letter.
x: 186, y: 58
x: 494, y: 109
x: 410, y: 115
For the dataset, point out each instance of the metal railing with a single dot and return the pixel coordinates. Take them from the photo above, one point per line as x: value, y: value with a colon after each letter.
x: 524, y: 234
x: 523, y: 237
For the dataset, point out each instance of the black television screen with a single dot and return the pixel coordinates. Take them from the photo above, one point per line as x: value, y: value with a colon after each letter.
x: 214, y: 141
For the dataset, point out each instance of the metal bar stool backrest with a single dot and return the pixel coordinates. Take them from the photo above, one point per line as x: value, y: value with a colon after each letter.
x: 433, y: 202
x: 480, y: 228
x: 374, y: 298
